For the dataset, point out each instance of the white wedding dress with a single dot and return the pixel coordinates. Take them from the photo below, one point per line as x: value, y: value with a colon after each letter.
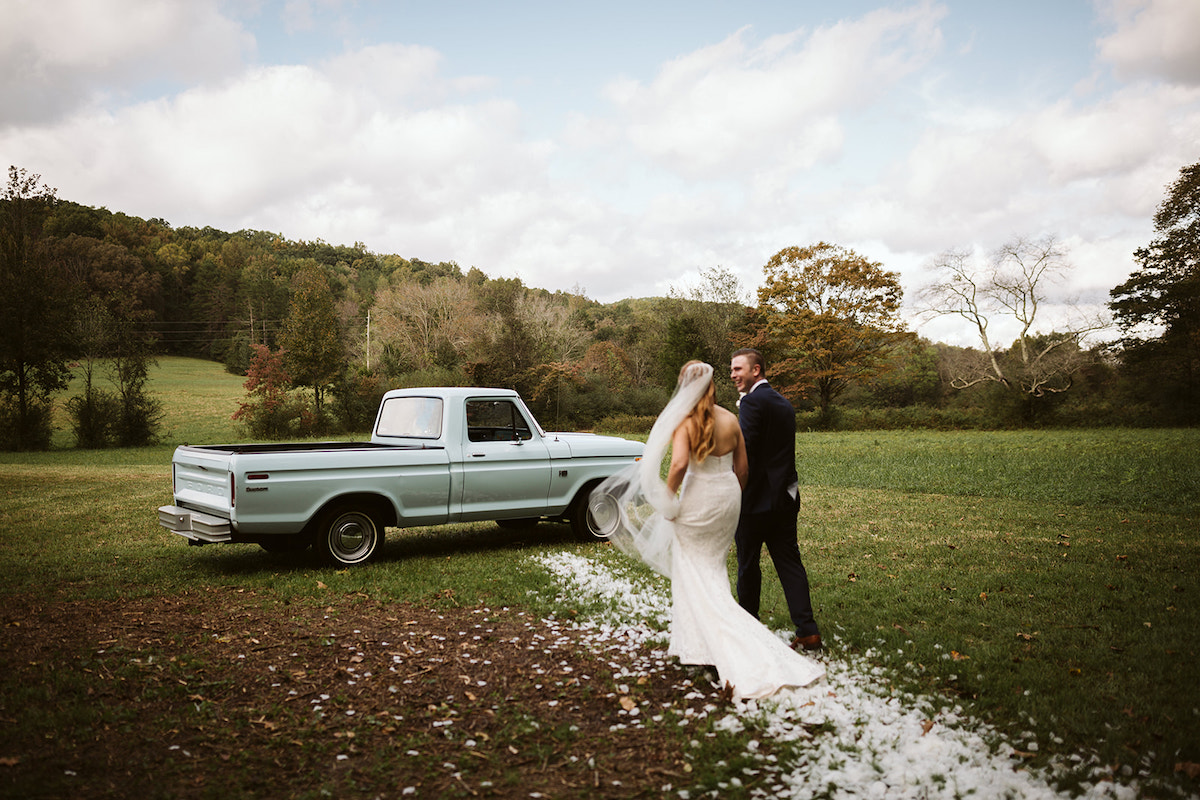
x: 708, y: 627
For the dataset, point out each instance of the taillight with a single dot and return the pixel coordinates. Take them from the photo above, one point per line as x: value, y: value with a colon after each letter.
x: 232, y: 490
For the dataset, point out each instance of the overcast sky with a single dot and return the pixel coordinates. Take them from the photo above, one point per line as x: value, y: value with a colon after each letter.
x: 617, y: 148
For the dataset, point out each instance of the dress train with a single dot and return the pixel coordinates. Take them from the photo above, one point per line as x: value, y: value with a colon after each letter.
x: 708, y: 626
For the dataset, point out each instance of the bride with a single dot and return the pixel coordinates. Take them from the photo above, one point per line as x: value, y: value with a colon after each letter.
x: 686, y: 537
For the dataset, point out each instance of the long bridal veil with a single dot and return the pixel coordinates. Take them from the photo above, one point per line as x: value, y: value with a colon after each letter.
x: 634, y: 509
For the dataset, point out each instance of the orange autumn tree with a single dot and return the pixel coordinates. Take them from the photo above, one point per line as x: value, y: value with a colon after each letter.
x: 825, y: 318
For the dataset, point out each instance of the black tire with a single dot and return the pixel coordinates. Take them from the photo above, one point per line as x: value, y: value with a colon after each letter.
x: 582, y: 524
x: 523, y: 524
x: 347, y: 535
x: 284, y: 544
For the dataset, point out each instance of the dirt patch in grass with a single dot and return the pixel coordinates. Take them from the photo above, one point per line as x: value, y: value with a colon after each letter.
x: 231, y: 694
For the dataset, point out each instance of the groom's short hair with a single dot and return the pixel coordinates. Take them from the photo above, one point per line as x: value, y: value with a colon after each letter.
x: 754, y: 357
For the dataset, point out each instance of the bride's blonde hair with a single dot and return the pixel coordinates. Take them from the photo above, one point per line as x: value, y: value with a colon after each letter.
x: 702, y: 421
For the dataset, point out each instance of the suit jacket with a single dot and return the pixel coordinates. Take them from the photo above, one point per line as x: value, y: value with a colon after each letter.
x: 769, y: 427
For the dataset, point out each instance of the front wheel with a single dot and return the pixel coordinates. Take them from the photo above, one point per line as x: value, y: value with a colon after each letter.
x: 347, y: 536
x: 583, y: 522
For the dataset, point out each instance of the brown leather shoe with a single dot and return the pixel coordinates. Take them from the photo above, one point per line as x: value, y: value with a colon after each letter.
x: 807, y: 642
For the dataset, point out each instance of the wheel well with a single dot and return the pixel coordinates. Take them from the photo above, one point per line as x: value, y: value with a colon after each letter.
x: 579, y: 501
x: 379, y: 507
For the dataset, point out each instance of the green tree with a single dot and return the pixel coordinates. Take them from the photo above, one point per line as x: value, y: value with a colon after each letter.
x: 36, y: 309
x: 263, y: 298
x: 506, y: 354
x: 131, y: 358
x: 705, y: 321
x: 313, y: 352
x: 912, y: 376
x: 94, y: 410
x: 119, y: 288
x: 828, y: 315
x: 1158, y: 308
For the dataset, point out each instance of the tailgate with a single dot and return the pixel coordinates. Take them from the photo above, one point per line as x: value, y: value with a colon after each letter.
x: 201, y: 479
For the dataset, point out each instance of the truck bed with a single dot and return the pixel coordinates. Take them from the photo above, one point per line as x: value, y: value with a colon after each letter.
x: 303, y: 447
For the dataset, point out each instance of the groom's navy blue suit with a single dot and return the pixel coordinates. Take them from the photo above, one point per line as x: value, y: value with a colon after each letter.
x: 769, y: 507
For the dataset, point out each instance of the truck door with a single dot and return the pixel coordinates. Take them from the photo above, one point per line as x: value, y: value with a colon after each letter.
x: 506, y: 464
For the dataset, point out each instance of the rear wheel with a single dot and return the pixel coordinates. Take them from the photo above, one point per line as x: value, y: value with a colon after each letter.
x: 347, y: 536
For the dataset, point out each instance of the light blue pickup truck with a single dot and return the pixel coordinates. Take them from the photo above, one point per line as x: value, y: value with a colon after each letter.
x: 435, y: 456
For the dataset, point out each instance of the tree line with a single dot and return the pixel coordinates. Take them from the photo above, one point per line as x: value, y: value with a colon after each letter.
x: 321, y: 331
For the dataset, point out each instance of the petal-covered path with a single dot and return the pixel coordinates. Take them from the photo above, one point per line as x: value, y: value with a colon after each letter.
x: 871, y: 742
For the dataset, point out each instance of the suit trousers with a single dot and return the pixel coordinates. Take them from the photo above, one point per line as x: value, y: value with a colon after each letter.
x: 777, y: 530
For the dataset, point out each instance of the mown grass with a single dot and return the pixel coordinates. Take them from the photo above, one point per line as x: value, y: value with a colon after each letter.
x: 1045, y: 579
x: 1145, y: 470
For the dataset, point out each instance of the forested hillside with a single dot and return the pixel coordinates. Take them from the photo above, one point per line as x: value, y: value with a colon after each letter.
x: 322, y: 330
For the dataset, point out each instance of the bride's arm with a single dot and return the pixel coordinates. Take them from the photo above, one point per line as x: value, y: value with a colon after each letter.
x: 680, y: 450
x: 741, y: 464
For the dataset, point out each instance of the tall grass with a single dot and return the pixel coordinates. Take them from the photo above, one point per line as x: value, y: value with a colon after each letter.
x: 1047, y: 579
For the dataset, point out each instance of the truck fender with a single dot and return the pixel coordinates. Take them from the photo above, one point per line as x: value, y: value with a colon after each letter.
x: 379, y: 507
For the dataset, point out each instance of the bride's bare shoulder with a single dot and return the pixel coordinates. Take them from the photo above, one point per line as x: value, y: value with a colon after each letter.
x: 726, y: 421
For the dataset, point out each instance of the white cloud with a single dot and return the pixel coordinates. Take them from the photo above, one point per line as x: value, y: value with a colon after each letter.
x: 310, y: 151
x: 774, y: 106
x: 1154, y: 39
x: 1068, y: 169
x: 56, y: 55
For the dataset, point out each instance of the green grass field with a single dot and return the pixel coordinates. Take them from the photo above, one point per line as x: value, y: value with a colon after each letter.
x: 1044, y: 579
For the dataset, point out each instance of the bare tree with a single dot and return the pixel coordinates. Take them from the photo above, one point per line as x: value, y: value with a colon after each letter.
x: 426, y: 325
x: 1012, y: 284
x: 552, y: 330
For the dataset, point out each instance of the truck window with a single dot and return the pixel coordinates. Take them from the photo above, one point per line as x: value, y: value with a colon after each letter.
x: 495, y: 421
x: 411, y: 417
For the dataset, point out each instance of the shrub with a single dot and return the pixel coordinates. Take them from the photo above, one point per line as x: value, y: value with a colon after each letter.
x: 917, y: 417
x: 94, y: 416
x: 270, y: 411
x: 626, y: 423
x: 356, y: 399
x: 139, y: 416
x: 32, y: 433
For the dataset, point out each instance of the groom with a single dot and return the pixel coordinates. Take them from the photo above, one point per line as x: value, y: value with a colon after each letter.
x: 771, y: 500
